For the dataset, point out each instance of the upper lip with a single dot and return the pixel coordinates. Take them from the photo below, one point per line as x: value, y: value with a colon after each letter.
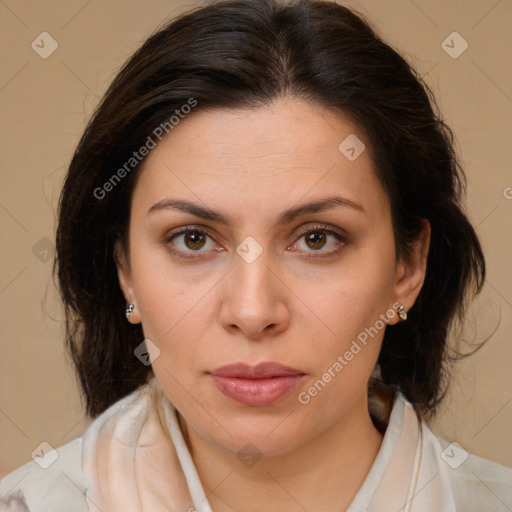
x: 260, y: 371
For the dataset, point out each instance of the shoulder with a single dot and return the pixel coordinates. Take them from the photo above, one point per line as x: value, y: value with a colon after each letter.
x: 52, y: 481
x: 477, y: 483
x: 55, y: 481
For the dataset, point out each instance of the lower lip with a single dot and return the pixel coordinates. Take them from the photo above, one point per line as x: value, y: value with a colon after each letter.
x: 256, y: 392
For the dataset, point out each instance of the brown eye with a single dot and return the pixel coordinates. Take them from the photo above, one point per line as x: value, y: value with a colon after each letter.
x: 194, y: 240
x: 190, y: 243
x: 319, y: 241
x: 315, y: 239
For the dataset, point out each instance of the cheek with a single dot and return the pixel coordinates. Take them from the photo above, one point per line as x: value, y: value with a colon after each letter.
x: 175, y: 319
x: 170, y: 298
x: 344, y: 355
x: 350, y: 313
x: 353, y: 299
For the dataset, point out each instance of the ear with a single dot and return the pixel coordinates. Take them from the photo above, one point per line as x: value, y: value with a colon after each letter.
x: 124, y: 275
x: 410, y: 274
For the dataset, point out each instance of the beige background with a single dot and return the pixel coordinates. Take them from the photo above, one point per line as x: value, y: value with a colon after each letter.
x: 46, y: 102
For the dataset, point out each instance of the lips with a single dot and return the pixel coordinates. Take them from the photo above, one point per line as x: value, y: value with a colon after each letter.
x: 256, y: 386
x: 260, y: 371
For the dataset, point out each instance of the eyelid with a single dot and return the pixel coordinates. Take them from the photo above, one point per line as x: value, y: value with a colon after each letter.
x: 325, y: 227
x: 183, y: 230
x: 203, y: 229
x: 341, y: 235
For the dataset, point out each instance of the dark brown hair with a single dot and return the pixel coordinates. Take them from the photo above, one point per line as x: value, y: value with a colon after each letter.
x: 246, y: 53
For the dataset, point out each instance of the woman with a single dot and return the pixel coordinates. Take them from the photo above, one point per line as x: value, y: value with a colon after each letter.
x: 261, y: 250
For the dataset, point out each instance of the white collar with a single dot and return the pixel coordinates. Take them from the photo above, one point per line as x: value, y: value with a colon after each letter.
x: 127, y: 460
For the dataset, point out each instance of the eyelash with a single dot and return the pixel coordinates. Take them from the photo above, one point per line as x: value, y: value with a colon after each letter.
x: 342, y: 239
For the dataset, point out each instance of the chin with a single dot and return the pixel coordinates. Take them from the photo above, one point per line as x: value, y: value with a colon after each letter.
x: 268, y: 437
x: 256, y: 447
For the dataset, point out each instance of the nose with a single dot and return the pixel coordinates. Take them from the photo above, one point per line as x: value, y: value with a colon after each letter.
x: 255, y: 302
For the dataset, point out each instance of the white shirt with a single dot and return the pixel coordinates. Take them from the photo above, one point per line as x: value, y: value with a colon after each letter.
x: 414, y: 471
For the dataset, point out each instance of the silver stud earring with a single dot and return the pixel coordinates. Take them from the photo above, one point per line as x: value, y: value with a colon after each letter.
x: 402, y: 313
x: 129, y: 311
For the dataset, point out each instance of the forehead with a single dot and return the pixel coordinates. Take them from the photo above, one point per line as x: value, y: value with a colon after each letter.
x: 261, y: 159
x: 287, y: 127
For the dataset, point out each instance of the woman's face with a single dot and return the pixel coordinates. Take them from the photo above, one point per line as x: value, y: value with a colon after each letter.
x: 260, y: 276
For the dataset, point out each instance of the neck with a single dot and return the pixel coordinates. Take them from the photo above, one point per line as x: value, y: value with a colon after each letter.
x: 323, y: 474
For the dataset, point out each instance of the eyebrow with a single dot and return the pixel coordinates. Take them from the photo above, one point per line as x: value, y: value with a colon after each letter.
x: 285, y: 217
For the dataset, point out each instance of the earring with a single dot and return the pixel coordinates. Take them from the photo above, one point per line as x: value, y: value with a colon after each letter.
x: 129, y: 311
x: 402, y: 313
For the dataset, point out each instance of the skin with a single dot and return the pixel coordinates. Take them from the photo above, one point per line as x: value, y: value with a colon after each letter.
x: 215, y: 308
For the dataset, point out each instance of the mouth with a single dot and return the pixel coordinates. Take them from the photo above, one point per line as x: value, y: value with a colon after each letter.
x: 256, y: 386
